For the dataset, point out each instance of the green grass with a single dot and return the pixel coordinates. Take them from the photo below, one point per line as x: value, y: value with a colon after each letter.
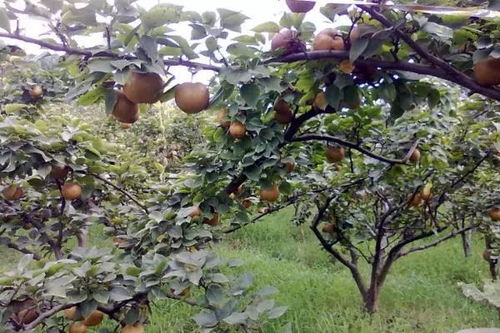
x: 421, y: 293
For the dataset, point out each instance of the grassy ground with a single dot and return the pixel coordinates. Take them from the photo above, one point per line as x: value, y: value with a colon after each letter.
x: 421, y: 293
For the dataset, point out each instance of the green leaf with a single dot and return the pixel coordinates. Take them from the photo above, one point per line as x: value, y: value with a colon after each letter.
x: 160, y: 15
x: 250, y: 93
x: 267, y: 27
x: 357, y: 48
x: 439, y: 31
x: 231, y: 20
x: 277, y: 312
x: 198, y: 32
x: 4, y: 20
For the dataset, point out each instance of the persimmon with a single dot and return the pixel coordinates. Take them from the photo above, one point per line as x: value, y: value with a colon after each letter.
x: 328, y: 228
x: 320, y: 102
x: 71, y: 191
x: 416, y: 200
x: 237, y: 130
x: 290, y: 166
x: 286, y: 40
x: 328, y: 39
x: 195, y: 211
x: 270, y: 194
x: 192, y: 97
x: 125, y: 111
x: 334, y: 154
x: 487, y: 71
x: 143, y: 87
x: 27, y: 316
x: 426, y: 192
x: 246, y: 203
x: 70, y: 313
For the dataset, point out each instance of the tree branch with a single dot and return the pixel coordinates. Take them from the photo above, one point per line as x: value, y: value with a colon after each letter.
x: 347, y: 144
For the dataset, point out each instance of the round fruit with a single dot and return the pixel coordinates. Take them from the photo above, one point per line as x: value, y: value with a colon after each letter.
x: 494, y: 214
x: 36, y: 92
x: 270, y: 194
x: 143, y: 87
x: 192, y: 97
x: 334, y: 154
x: 298, y: 6
x: 12, y: 193
x: 70, y: 313
x: 284, y: 114
x: 328, y: 39
x: 426, y: 192
x: 286, y: 40
x: 27, y: 316
x: 328, y: 228
x: 71, y: 191
x: 237, y: 130
x: 136, y: 328
x: 246, y: 203
x: 221, y: 116
x: 213, y: 221
x: 59, y: 171
x: 415, y: 156
x: 125, y: 125
x: 94, y: 319
x: 125, y: 111
x: 289, y: 166
x: 320, y: 102
x: 195, y: 211
x: 77, y: 327
x: 487, y: 71
x: 416, y: 200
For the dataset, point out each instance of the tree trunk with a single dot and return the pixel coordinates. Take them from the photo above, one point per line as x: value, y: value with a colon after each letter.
x: 493, y: 263
x: 372, y: 299
x: 466, y: 243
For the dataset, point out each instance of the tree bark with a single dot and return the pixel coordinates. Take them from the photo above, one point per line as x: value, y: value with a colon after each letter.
x: 466, y: 243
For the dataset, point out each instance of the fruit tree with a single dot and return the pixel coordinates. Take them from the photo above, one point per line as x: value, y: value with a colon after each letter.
x: 381, y: 129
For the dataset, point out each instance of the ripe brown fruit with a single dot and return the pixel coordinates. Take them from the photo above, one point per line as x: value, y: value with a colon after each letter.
x: 298, y: 6
x: 290, y: 166
x: 487, y: 71
x: 12, y: 193
x: 328, y: 228
x: 125, y: 111
x: 125, y: 125
x: 287, y: 41
x: 415, y: 156
x: 71, y: 191
x: 70, y: 313
x: 426, y: 193
x: 416, y: 200
x: 192, y: 97
x: 136, y: 328
x: 270, y: 194
x: 320, y: 102
x: 143, y: 87
x: 284, y: 114
x: 27, y: 316
x: 36, y: 92
x: 334, y: 154
x: 77, y: 327
x: 494, y: 213
x: 59, y: 171
x: 237, y: 130
x: 94, y: 319
x: 328, y: 39
x: 221, y: 116
x: 195, y: 211
x: 246, y: 203
x: 212, y: 221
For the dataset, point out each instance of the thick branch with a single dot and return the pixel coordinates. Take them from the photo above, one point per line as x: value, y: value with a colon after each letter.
x: 348, y: 145
x: 438, y: 241
x: 23, y: 250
